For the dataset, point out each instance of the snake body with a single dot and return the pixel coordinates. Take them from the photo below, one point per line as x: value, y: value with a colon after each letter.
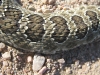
x: 48, y: 33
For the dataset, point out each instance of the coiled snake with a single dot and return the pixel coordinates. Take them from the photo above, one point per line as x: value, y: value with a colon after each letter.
x: 48, y: 33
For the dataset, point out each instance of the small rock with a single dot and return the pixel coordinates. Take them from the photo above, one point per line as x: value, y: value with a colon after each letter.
x: 29, y: 73
x: 5, y: 63
x: 51, y: 2
x: 8, y: 71
x: 65, y: 8
x: 38, y: 62
x: 31, y: 8
x: 49, y: 66
x: 42, y: 71
x: 61, y: 61
x: 35, y: 73
x: 74, y: 1
x: 77, y: 63
x: 49, y: 60
x: 29, y: 59
x: 2, y: 45
x: 44, y: 1
x: 39, y: 10
x: 30, y: 1
x: 84, y: 1
x: 68, y: 71
x: 6, y: 55
x: 47, y: 10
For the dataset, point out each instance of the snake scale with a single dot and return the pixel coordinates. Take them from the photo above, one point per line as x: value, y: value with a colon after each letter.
x: 48, y: 33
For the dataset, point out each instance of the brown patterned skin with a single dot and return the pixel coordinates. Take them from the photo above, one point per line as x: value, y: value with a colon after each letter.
x: 48, y: 33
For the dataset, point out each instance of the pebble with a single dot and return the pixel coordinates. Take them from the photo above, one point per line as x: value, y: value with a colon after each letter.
x: 29, y: 59
x: 51, y: 2
x: 61, y: 61
x: 48, y: 2
x: 35, y: 73
x: 73, y: 1
x: 47, y: 10
x: 84, y: 1
x: 44, y: 1
x: 2, y: 45
x: 38, y: 62
x: 68, y: 71
x: 49, y: 60
x: 6, y: 55
x: 8, y: 71
x: 42, y: 71
x: 29, y: 73
x: 31, y: 8
x: 30, y: 1
x: 39, y: 10
x: 77, y: 63
x: 5, y: 63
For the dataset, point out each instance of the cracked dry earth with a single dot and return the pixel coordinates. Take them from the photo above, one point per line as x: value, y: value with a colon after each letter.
x: 83, y: 60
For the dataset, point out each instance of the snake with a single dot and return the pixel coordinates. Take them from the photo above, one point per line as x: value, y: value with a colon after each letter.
x: 48, y: 33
